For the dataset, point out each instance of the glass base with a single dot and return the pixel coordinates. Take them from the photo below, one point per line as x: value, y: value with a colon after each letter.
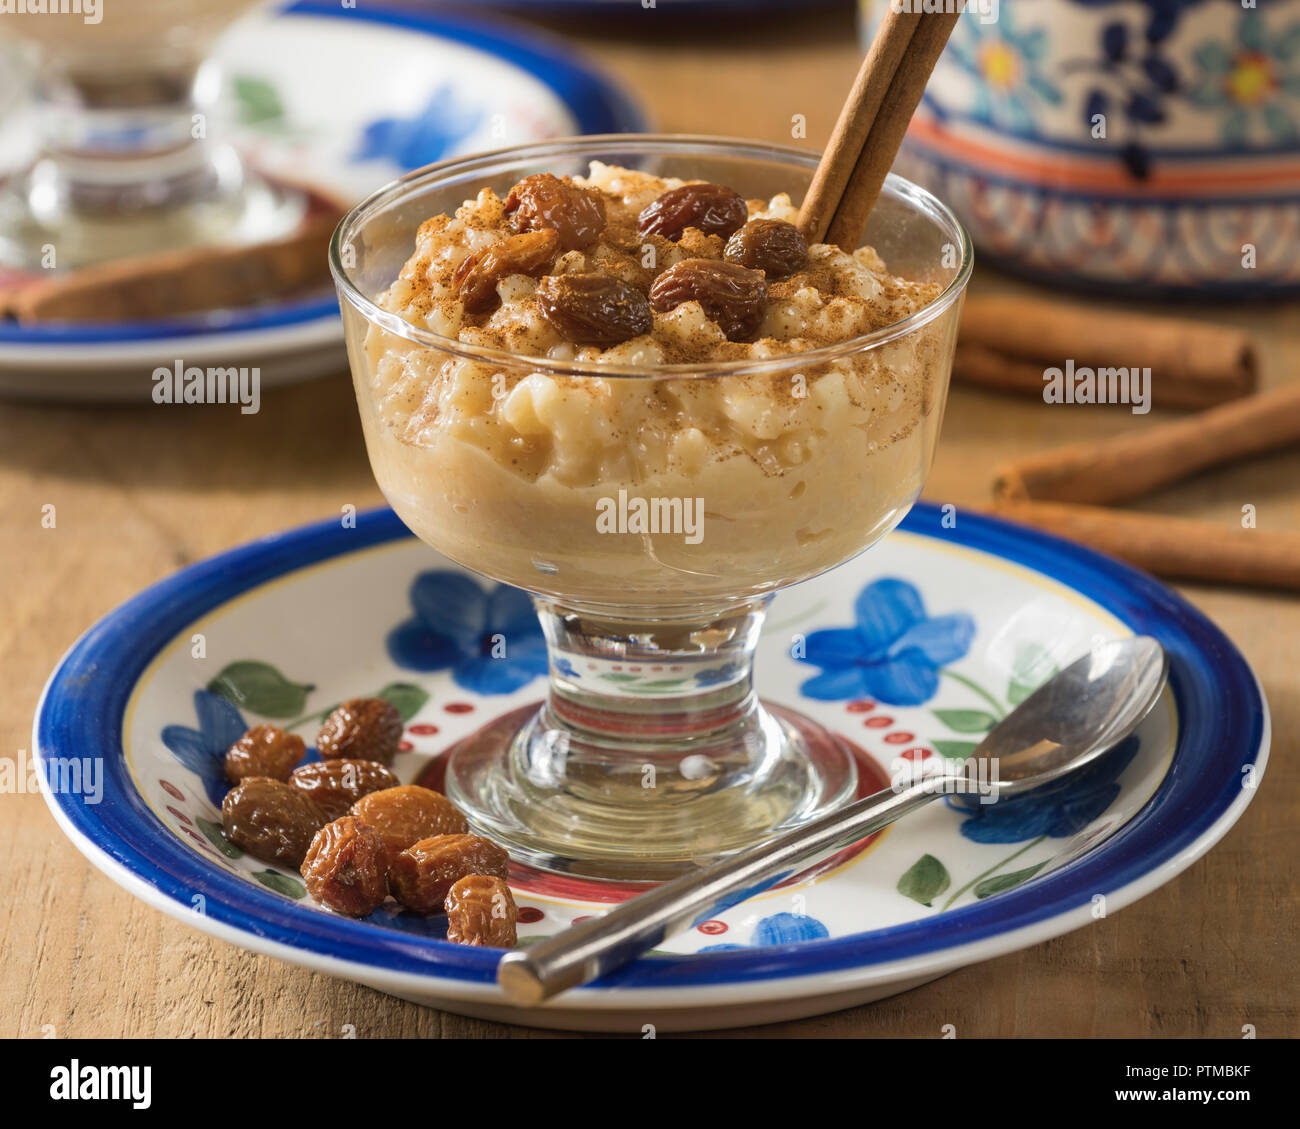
x: 646, y: 815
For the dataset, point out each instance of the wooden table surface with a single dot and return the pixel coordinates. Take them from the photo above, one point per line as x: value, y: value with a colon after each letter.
x: 142, y: 491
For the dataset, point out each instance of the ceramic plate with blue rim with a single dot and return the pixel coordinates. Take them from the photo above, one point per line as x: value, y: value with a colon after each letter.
x: 347, y: 98
x: 279, y: 630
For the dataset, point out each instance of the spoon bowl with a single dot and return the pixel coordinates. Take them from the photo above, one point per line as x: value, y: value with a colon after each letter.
x: 1077, y: 715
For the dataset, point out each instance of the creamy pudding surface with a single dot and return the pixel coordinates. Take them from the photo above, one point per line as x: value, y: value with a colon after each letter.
x: 749, y: 469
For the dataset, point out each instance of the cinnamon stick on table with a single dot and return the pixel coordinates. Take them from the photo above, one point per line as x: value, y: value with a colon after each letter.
x: 1155, y: 455
x: 189, y: 280
x: 1007, y: 341
x: 1178, y: 548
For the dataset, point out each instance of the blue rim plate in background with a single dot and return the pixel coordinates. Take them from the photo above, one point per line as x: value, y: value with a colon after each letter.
x: 449, y: 85
x: 689, y: 7
x: 1217, y: 730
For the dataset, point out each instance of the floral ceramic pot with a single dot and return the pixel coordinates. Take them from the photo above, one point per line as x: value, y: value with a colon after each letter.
x: 1139, y: 147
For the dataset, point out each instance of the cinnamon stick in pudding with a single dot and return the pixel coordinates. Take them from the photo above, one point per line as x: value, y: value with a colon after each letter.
x: 1193, y: 364
x: 1178, y: 548
x: 1152, y: 456
x: 887, y: 130
x: 850, y: 133
x: 871, y: 125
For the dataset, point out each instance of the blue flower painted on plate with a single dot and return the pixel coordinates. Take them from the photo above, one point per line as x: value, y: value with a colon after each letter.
x: 490, y: 641
x: 893, y: 651
x: 1057, y: 810
x: 426, y: 136
x: 566, y: 668
x: 787, y: 928
x: 393, y: 916
x: 1007, y: 62
x: 715, y: 676
x: 779, y: 929
x: 1252, y: 84
x: 203, y: 750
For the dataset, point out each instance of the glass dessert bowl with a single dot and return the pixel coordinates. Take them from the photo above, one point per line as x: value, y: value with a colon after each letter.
x: 606, y: 393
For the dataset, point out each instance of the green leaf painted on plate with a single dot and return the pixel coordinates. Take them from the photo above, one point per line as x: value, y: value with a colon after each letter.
x: 1000, y: 882
x: 924, y: 880
x: 259, y: 102
x: 662, y: 683
x: 1017, y: 692
x: 524, y: 942
x: 407, y: 697
x: 281, y: 883
x: 259, y: 688
x: 1031, y: 666
x: 212, y: 832
x: 967, y: 721
x: 618, y: 677
x: 959, y: 750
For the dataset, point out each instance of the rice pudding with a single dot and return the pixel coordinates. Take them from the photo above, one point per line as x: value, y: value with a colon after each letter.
x: 638, y: 399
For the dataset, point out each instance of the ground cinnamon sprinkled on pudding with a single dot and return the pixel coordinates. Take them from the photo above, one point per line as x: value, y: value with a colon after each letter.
x: 798, y: 466
x: 832, y: 298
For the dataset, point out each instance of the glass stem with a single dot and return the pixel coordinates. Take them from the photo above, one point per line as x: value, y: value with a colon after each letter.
x: 651, y: 753
x: 642, y: 698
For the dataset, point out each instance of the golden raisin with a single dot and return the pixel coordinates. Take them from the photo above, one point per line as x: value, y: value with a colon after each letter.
x: 710, y: 208
x: 335, y: 785
x: 476, y: 278
x: 733, y: 296
x: 594, y: 309
x: 481, y: 911
x: 265, y: 750
x: 541, y: 201
x: 775, y: 247
x: 363, y: 729
x: 409, y: 813
x: 270, y: 820
x: 346, y: 867
x: 423, y: 874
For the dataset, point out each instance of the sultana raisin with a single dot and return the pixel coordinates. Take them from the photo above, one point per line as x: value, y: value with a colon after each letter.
x: 270, y: 820
x: 481, y: 911
x: 265, y: 750
x: 775, y: 247
x: 346, y: 867
x: 423, y: 874
x: 409, y: 813
x: 733, y: 296
x: 476, y: 278
x: 363, y: 729
x: 335, y: 785
x: 576, y: 215
x: 711, y: 208
x: 594, y: 309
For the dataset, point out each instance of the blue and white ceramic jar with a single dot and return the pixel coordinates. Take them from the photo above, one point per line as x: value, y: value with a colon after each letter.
x: 1139, y: 147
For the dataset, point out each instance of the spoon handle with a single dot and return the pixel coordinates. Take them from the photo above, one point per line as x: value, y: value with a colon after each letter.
x: 597, y: 946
